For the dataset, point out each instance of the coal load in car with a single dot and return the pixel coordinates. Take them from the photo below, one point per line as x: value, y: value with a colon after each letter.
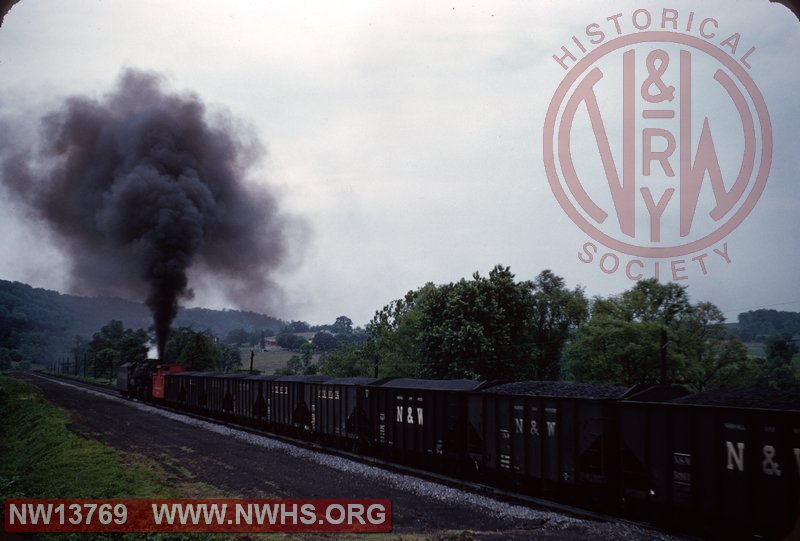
x: 750, y: 397
x: 561, y: 389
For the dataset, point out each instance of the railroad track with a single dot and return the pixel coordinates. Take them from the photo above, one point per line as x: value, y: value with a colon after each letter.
x: 505, y: 496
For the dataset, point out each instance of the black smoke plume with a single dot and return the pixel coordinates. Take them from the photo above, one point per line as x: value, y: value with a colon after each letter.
x: 143, y: 185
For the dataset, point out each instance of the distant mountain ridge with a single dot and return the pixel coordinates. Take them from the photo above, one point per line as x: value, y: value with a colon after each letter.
x: 41, y: 324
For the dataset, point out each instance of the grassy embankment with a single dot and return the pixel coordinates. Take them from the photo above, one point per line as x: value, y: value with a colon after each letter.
x: 41, y: 458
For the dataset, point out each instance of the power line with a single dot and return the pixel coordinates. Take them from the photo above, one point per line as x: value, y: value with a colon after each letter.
x: 761, y: 306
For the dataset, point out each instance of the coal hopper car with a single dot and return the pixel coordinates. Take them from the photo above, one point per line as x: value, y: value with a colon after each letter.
x: 419, y: 422
x: 545, y: 437
x: 723, y: 461
x: 720, y: 463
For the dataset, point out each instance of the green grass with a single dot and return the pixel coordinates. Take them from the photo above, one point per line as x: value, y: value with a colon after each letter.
x: 41, y: 458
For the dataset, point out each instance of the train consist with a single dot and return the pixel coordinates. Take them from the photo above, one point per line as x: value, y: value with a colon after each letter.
x: 722, y: 464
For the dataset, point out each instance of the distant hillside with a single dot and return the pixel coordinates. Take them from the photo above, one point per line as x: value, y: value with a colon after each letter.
x: 38, y: 324
x: 757, y: 325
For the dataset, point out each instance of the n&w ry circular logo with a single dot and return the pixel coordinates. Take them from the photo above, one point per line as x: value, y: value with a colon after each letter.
x: 657, y: 142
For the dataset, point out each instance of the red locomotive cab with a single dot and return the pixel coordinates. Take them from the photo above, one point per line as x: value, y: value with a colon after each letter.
x: 159, y: 377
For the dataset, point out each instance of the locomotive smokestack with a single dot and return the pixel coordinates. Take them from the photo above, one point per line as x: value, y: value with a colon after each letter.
x: 144, y: 185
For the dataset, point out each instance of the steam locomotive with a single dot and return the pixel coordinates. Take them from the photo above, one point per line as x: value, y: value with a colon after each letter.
x: 722, y: 464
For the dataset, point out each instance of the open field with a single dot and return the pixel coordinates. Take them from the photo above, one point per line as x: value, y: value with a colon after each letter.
x: 268, y: 361
x: 755, y: 349
x: 759, y: 349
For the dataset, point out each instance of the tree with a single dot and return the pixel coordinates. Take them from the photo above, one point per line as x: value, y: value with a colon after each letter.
x: 133, y: 346
x: 104, y: 362
x: 114, y: 345
x: 291, y: 341
x: 242, y: 337
x: 108, y: 337
x: 613, y: 350
x: 324, y: 341
x: 713, y: 357
x: 477, y: 328
x: 650, y: 300
x: 80, y: 348
x: 488, y: 327
x: 231, y: 358
x: 8, y: 356
x: 556, y: 313
x: 300, y: 364
x: 177, y: 341
x: 651, y: 331
x: 645, y: 318
x: 342, y: 325
x: 347, y: 360
x: 296, y: 327
x: 200, y: 353
x: 394, y: 335
x: 776, y: 370
x: 780, y: 349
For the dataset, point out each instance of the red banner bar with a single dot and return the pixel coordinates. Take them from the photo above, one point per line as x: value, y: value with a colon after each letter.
x: 208, y: 515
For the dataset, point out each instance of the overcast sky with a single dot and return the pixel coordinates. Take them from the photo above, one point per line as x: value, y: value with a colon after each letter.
x: 408, y: 135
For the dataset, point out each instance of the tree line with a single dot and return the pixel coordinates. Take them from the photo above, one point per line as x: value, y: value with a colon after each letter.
x: 114, y: 345
x: 484, y: 327
x: 327, y: 338
x: 495, y: 327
